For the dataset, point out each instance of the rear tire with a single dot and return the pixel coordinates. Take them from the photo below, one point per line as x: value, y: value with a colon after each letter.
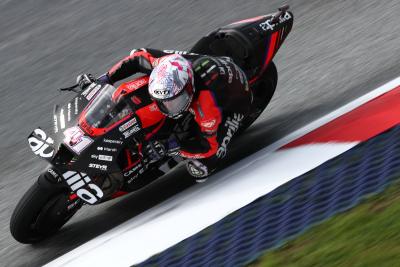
x: 42, y: 211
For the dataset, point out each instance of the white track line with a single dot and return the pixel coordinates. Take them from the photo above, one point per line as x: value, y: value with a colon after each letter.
x: 202, y: 205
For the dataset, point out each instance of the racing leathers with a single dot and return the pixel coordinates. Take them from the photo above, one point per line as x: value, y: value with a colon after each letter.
x: 221, y: 102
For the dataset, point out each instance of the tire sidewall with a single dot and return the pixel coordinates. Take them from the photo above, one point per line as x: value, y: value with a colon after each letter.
x: 28, y: 209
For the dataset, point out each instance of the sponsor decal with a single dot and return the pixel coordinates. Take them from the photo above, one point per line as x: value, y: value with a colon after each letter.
x: 134, y: 169
x: 233, y: 125
x: 139, y: 169
x: 41, y: 147
x: 131, y: 131
x: 107, y: 149
x: 55, y: 122
x: 76, y: 139
x: 69, y: 112
x: 102, y: 157
x: 112, y: 141
x: 161, y: 92
x: 268, y: 25
x: 230, y: 73
x: 62, y: 119
x: 208, y: 123
x: 179, y: 52
x: 54, y: 174
x: 105, y: 158
x: 93, y: 92
x: 191, y: 156
x: 87, y: 90
x: 127, y: 125
x: 136, y: 84
x: 98, y: 166
x: 76, y: 108
x: 80, y: 183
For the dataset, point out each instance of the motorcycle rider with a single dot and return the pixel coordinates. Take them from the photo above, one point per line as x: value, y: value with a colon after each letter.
x: 213, y: 89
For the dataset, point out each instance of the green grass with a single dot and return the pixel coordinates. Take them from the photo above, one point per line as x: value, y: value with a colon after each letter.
x: 365, y: 236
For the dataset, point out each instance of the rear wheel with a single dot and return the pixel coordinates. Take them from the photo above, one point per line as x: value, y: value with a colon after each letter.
x: 263, y: 90
x: 42, y: 210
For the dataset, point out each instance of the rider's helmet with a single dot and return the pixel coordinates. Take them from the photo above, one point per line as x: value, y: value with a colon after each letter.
x: 171, y: 85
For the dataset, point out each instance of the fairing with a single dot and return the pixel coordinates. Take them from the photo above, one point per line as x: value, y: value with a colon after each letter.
x: 99, y: 132
x: 251, y: 43
x: 91, y: 130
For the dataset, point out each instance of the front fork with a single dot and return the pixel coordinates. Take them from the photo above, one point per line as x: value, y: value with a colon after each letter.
x: 51, y: 180
x: 76, y: 184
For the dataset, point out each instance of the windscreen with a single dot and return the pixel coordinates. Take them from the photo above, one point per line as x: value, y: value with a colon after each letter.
x: 105, y: 111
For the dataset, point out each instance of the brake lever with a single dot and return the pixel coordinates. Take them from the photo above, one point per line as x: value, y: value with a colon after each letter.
x: 71, y: 88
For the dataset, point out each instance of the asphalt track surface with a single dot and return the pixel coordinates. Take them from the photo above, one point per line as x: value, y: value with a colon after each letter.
x: 337, y: 51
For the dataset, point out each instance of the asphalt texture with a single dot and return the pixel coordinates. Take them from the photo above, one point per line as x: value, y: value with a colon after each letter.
x: 337, y: 51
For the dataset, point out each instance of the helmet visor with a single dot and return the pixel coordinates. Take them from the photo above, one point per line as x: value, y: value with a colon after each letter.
x: 175, y: 106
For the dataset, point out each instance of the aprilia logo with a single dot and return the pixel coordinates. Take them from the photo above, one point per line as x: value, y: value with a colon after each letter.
x: 77, y: 181
x: 41, y: 146
x: 233, y: 126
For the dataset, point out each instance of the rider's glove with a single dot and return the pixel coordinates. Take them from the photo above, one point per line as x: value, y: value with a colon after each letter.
x: 104, y: 79
x: 172, y: 147
x: 84, y: 80
x: 155, y: 151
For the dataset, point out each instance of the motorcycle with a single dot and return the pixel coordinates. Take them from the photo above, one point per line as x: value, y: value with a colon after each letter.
x: 95, y: 146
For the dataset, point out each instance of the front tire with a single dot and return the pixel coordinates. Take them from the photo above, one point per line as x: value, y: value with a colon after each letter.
x: 41, y: 212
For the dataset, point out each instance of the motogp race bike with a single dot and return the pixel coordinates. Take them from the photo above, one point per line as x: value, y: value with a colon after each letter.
x: 94, y: 148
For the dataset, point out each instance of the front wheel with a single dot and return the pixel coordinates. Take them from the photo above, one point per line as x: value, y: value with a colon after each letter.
x: 41, y: 212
